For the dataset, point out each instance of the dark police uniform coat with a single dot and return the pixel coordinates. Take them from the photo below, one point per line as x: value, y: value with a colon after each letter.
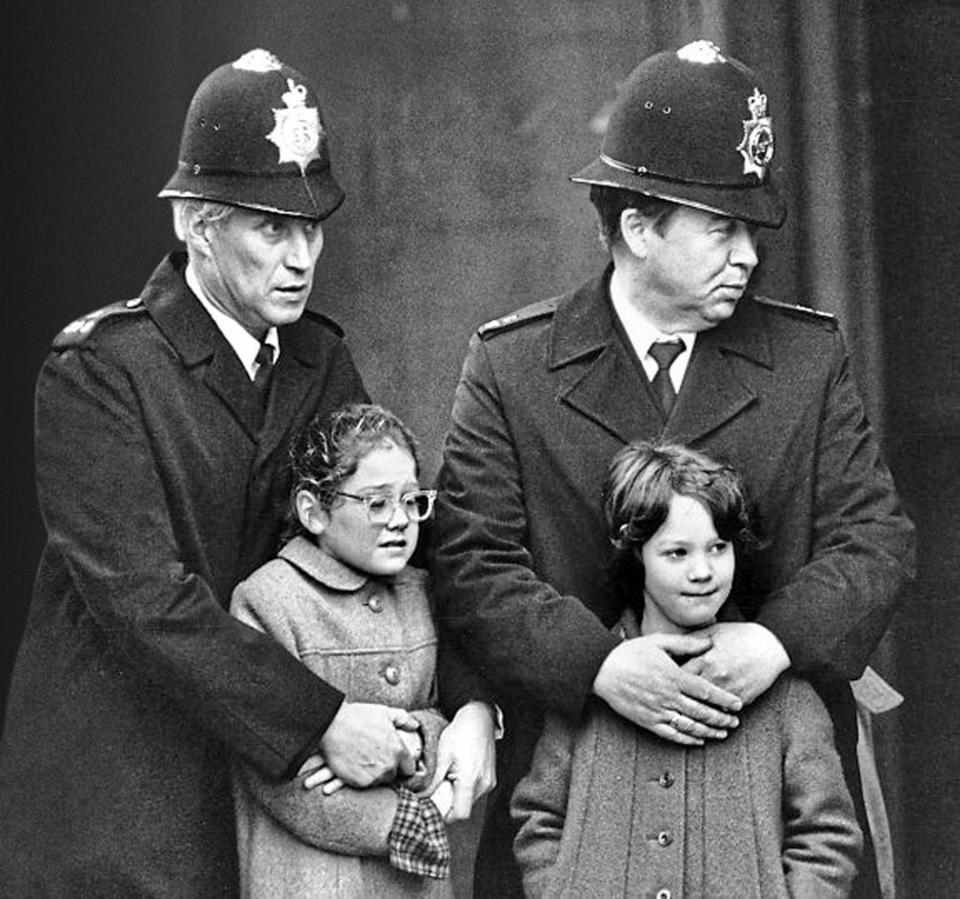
x: 520, y: 551
x: 160, y: 490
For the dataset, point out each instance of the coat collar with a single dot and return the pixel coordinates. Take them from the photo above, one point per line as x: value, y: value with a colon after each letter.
x: 197, y: 340
x: 314, y: 562
x: 179, y: 314
x: 584, y: 324
x: 584, y: 340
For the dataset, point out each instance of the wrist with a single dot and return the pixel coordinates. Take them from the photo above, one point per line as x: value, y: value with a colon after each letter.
x: 485, y: 714
x: 601, y: 681
x: 775, y: 650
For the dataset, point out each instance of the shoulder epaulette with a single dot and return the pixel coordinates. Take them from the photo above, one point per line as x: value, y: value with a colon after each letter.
x: 324, y: 320
x: 79, y: 330
x: 530, y: 313
x: 817, y: 315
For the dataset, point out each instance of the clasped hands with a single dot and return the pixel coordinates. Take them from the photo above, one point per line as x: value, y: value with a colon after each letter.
x: 369, y: 744
x: 730, y: 664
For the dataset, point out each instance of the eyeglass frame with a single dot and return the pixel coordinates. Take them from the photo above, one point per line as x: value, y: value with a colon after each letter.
x: 395, y: 503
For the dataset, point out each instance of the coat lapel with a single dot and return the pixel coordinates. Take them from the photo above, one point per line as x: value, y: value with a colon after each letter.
x: 715, y: 390
x: 292, y: 381
x: 600, y: 381
x: 196, y: 338
x: 225, y: 377
x: 611, y: 394
x: 604, y: 384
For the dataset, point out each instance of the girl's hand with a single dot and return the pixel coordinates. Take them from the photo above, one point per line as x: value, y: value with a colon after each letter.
x: 466, y: 760
x: 319, y: 775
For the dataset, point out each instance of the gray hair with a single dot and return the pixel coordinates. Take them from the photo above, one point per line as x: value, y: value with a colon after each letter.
x: 186, y: 207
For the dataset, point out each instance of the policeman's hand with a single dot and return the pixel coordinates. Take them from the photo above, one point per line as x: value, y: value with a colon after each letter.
x: 745, y: 658
x: 640, y: 681
x: 361, y: 746
x: 466, y: 758
x: 320, y: 775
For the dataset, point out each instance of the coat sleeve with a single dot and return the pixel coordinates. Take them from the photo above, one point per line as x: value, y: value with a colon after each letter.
x: 458, y: 682
x: 109, y: 517
x: 539, y: 806
x: 520, y: 633
x: 349, y: 821
x: 862, y: 544
x: 822, y: 841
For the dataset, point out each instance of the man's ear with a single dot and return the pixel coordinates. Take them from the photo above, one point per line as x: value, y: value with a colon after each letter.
x: 196, y: 232
x: 313, y: 516
x: 636, y: 230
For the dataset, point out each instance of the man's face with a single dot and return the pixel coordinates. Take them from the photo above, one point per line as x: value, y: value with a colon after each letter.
x: 260, y: 267
x: 697, y: 269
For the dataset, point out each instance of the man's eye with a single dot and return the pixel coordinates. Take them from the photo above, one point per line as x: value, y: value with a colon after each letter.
x: 273, y: 228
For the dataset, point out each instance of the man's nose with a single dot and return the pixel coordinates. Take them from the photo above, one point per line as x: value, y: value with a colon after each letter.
x: 300, y: 250
x: 743, y: 250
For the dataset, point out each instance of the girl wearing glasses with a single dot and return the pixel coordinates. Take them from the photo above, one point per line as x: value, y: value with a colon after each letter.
x: 341, y: 597
x: 609, y: 809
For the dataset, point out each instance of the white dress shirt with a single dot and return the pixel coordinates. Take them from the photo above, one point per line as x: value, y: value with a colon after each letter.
x: 642, y: 332
x: 244, y: 344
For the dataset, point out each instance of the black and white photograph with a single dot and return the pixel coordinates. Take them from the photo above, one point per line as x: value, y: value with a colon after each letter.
x: 465, y: 449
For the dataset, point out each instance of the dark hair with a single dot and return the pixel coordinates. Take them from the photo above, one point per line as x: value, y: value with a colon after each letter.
x: 641, y: 481
x: 611, y: 201
x: 328, y: 450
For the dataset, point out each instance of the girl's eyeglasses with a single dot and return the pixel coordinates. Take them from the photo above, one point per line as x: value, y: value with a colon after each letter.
x: 417, y: 505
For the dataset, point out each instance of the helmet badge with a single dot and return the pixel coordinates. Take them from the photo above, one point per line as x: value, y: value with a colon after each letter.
x: 757, y: 144
x: 297, y: 128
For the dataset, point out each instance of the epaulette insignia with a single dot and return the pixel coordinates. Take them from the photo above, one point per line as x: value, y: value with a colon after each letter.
x: 529, y: 313
x: 324, y: 320
x: 78, y: 331
x: 826, y: 318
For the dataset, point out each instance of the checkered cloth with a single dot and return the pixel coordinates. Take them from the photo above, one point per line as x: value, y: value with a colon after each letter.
x: 418, y: 839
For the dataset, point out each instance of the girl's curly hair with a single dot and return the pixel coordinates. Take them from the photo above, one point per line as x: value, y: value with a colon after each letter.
x: 328, y: 449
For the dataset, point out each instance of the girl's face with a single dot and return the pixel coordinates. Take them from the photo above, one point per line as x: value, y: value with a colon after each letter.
x: 688, y: 568
x: 345, y: 531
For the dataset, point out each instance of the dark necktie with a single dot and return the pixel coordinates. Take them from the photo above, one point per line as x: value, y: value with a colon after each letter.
x: 664, y: 353
x: 264, y: 367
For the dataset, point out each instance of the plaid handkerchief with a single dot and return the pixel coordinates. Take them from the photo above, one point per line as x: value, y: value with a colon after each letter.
x: 418, y: 839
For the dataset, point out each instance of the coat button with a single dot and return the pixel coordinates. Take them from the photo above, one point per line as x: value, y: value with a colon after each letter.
x: 375, y: 604
x: 667, y: 780
x: 391, y: 674
x: 663, y: 894
x: 664, y: 838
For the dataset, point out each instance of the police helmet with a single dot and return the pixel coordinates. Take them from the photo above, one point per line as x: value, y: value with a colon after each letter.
x: 692, y: 126
x: 254, y: 137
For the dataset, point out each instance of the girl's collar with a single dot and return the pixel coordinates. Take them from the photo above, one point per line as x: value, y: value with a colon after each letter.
x: 321, y: 566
